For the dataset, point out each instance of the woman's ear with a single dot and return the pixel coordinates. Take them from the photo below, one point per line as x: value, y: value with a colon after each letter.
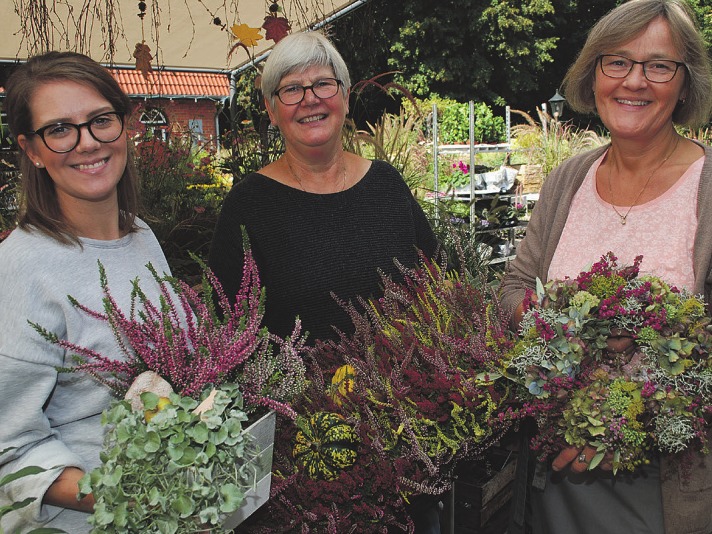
x: 28, y: 147
x: 270, y: 112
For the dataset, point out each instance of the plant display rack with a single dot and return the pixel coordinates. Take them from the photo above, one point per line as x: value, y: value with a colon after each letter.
x: 509, y: 233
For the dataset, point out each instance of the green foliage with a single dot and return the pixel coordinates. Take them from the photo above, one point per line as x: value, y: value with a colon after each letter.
x: 180, y: 472
x: 181, y: 191
x: 397, y: 139
x: 249, y: 150
x: 487, y: 51
x: 6, y: 509
x: 454, y: 120
x: 548, y: 142
x: 513, y: 51
x: 251, y: 143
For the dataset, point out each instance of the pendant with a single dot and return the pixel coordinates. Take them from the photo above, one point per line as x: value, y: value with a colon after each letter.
x: 623, y: 219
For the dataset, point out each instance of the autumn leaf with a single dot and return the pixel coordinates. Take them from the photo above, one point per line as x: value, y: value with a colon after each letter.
x: 276, y: 28
x: 143, y: 56
x: 246, y: 35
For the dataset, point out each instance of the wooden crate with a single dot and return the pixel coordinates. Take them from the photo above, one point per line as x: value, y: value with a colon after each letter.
x: 531, y: 177
x: 481, y: 489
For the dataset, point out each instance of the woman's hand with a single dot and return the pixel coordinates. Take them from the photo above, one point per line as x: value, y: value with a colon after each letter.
x: 578, y: 459
x: 620, y: 342
x: 64, y: 490
x: 519, y: 312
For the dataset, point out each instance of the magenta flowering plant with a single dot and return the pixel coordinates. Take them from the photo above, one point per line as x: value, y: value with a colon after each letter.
x: 394, y: 406
x: 615, y: 360
x: 196, y: 340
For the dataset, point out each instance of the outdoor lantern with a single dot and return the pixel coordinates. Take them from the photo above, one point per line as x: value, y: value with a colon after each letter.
x: 557, y: 105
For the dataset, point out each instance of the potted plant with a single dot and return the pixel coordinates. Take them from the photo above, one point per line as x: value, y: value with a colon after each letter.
x: 179, y: 455
x: 394, y: 407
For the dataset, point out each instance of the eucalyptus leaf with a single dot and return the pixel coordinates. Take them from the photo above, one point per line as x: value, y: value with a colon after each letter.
x: 597, y: 459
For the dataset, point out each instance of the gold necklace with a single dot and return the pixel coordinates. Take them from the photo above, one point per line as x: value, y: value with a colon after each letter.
x: 624, y: 218
x: 299, y: 180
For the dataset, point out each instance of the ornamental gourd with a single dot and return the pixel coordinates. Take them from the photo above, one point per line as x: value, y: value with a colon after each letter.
x: 325, y: 445
x: 342, y: 383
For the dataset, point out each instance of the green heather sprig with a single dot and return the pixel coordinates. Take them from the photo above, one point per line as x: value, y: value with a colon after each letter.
x: 655, y: 396
x: 192, y: 344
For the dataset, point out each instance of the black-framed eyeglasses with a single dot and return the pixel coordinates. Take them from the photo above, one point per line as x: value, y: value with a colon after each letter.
x: 654, y: 70
x: 293, y: 94
x: 64, y: 137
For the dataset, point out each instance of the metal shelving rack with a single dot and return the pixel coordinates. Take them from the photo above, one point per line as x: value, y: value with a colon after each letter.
x: 473, y: 150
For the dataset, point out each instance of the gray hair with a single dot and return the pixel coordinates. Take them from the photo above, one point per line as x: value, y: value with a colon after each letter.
x: 624, y: 23
x: 296, y: 53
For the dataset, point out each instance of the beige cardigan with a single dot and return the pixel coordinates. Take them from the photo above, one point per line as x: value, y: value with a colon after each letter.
x: 687, y: 504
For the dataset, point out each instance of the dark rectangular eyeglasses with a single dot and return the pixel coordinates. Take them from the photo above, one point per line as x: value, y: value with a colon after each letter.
x: 654, y: 70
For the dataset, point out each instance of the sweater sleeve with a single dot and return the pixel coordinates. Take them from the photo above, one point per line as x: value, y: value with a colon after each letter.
x: 28, y: 378
x: 28, y: 440
x: 425, y: 237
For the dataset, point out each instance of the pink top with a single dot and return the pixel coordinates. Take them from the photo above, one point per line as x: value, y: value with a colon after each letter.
x: 662, y: 231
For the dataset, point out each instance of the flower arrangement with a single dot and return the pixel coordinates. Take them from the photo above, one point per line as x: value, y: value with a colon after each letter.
x: 393, y: 407
x: 618, y: 361
x: 176, y: 455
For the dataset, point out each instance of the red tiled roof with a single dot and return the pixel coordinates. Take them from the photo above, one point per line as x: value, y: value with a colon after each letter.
x: 173, y: 83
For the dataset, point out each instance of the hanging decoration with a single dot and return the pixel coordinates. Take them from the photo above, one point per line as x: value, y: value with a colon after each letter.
x: 276, y: 27
x: 142, y: 52
x: 245, y: 36
x: 100, y: 28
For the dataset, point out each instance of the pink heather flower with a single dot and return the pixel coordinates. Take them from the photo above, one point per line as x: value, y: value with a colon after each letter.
x: 184, y: 340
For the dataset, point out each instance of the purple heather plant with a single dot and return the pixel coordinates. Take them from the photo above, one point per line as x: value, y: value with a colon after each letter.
x: 192, y: 345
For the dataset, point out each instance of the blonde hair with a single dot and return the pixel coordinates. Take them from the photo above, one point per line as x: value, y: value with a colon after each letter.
x: 624, y: 23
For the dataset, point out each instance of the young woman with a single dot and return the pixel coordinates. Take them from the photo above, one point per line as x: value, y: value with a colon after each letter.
x: 78, y: 208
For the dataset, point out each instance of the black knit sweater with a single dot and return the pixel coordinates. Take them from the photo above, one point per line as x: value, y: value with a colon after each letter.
x: 308, y: 245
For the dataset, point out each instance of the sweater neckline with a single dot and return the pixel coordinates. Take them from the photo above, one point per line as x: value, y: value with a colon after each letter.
x: 307, y: 194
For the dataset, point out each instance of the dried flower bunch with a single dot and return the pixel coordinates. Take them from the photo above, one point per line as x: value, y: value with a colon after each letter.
x: 393, y: 407
x: 654, y: 396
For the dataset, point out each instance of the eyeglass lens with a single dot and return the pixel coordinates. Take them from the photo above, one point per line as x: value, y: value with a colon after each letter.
x: 64, y: 136
x: 293, y: 94
x: 655, y: 70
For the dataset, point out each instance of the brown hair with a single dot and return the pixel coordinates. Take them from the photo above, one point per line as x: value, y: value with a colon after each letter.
x: 39, y: 207
x: 624, y: 23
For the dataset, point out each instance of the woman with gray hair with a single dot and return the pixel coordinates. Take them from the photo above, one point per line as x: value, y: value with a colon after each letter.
x: 322, y: 222
x: 644, y: 68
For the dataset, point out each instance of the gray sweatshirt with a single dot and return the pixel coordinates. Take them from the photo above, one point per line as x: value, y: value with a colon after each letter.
x: 52, y: 419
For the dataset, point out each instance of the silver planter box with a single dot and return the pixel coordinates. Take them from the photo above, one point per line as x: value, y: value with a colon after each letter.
x: 262, y: 432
